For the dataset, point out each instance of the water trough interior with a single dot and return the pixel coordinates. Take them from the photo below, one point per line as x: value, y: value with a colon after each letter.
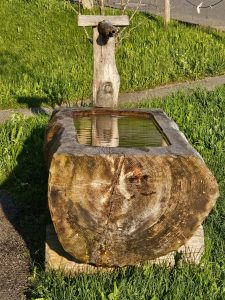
x: 118, y: 130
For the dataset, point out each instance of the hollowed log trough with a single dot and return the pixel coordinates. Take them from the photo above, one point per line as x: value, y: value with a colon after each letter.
x: 123, y: 206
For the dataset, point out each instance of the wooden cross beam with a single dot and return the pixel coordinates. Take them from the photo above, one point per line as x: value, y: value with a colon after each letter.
x: 106, y: 80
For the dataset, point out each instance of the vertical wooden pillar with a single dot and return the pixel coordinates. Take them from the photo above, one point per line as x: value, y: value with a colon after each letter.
x: 88, y: 4
x: 106, y: 80
x: 167, y: 11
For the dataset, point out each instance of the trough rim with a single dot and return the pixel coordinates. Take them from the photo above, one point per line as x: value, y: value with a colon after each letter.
x: 177, y: 142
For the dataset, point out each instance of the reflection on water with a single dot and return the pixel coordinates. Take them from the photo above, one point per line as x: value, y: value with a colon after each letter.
x: 118, y: 131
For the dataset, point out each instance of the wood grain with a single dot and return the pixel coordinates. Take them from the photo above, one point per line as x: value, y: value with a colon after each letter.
x: 56, y: 258
x: 106, y: 80
x: 88, y: 4
x: 122, y: 206
x: 91, y: 20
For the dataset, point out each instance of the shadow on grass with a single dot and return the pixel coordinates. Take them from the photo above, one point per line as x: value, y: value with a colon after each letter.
x: 174, y: 23
x: 35, y: 103
x: 27, y: 184
x: 157, y: 19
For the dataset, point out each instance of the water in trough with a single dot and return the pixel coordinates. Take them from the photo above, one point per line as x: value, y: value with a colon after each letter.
x: 118, y: 131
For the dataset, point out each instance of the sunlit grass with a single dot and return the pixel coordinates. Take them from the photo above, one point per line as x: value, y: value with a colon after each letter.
x: 201, y: 117
x: 46, y: 59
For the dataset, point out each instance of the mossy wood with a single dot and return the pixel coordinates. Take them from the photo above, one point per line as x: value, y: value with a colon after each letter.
x: 122, y: 206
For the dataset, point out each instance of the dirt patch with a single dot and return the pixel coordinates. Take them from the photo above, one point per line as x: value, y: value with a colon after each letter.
x: 14, y: 255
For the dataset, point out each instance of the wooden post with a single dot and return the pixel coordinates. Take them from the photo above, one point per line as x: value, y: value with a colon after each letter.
x: 167, y: 11
x: 102, y: 7
x: 88, y: 4
x: 106, y: 80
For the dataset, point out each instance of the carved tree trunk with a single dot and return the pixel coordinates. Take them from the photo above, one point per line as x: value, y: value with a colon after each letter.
x: 106, y: 80
x: 123, y: 206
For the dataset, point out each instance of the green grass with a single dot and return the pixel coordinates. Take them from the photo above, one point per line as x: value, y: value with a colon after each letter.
x: 45, y: 59
x: 22, y: 172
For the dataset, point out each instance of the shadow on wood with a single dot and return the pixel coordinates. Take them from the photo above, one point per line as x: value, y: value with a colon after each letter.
x: 56, y: 258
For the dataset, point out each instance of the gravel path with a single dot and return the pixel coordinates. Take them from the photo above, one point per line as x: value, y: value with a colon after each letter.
x: 14, y: 255
x: 208, y: 83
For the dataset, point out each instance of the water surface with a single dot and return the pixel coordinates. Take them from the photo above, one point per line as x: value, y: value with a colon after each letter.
x: 118, y: 131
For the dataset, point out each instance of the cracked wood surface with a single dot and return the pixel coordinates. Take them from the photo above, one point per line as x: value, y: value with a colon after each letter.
x: 106, y: 79
x: 117, y: 206
x: 93, y: 20
x: 56, y: 258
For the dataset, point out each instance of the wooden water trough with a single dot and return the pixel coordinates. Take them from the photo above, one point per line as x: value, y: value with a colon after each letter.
x: 117, y: 206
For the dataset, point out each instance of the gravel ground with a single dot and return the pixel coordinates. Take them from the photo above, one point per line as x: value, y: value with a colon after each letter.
x: 14, y: 255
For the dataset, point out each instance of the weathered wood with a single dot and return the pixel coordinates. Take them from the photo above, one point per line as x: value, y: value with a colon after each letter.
x: 123, y: 206
x: 56, y: 258
x: 167, y: 11
x: 106, y: 80
x: 101, y: 7
x: 88, y: 4
x: 94, y: 20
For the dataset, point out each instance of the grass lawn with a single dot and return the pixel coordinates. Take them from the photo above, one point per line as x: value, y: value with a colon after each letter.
x: 46, y: 59
x: 22, y: 172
